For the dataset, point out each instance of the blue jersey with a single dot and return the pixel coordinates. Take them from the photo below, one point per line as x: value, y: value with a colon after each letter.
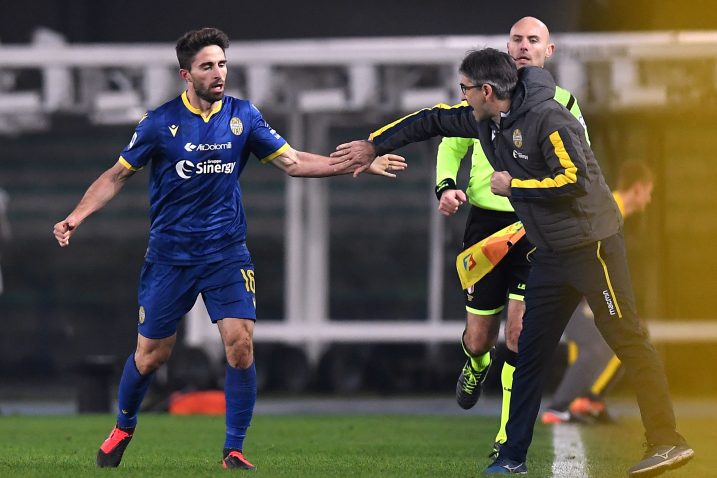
x: 196, y: 212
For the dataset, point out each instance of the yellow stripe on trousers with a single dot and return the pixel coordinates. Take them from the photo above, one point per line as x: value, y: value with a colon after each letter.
x: 609, y: 284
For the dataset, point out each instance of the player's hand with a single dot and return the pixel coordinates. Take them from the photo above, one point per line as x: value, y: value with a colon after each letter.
x: 359, y: 153
x: 500, y: 183
x: 388, y: 163
x: 451, y: 200
x: 63, y: 230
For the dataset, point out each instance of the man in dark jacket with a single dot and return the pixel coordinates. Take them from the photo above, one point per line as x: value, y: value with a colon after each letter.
x: 545, y: 166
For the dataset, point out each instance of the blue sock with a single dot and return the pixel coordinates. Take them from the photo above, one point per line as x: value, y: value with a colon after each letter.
x: 240, y: 394
x: 132, y: 389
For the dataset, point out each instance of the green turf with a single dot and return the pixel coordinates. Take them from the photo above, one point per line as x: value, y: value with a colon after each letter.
x: 317, y: 446
x: 313, y: 446
x: 612, y: 449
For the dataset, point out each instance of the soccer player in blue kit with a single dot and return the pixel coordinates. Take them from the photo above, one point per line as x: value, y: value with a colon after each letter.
x: 198, y: 145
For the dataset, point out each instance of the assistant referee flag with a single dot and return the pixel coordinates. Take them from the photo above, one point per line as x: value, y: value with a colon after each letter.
x: 479, y: 259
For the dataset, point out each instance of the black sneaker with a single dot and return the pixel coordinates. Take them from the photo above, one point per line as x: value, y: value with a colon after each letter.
x: 235, y: 459
x: 110, y: 453
x: 660, y: 458
x: 469, y: 385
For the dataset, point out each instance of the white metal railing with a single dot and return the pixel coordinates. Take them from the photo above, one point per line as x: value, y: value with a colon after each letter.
x: 112, y: 83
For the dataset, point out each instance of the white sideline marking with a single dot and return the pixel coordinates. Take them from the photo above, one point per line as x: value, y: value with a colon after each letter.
x: 569, y: 459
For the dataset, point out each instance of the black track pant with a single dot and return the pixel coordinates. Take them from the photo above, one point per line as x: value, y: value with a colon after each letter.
x: 557, y: 282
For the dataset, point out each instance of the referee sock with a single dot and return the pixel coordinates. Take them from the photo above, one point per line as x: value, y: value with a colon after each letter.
x: 480, y: 362
x: 506, y: 379
x: 240, y: 394
x: 132, y: 389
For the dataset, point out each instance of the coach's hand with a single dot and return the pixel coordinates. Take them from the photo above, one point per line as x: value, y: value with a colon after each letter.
x: 63, y: 230
x: 451, y: 199
x: 500, y: 183
x: 359, y: 153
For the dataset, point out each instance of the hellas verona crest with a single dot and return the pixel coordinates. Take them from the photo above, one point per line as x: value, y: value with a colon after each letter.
x: 517, y: 138
x: 236, y: 126
x: 141, y: 314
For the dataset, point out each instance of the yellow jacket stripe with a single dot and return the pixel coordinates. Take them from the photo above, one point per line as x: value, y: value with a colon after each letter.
x: 416, y: 115
x: 569, y: 175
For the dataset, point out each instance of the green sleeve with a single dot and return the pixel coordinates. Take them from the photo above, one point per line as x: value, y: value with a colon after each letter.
x: 565, y: 98
x: 451, y: 152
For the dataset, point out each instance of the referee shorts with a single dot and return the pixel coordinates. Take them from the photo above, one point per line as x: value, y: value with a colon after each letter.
x: 507, y: 280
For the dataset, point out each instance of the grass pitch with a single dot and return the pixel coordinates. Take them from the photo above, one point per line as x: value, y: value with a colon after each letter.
x: 317, y: 446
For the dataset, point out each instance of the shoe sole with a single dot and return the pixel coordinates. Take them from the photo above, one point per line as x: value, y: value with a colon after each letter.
x: 105, y: 460
x: 224, y: 466
x: 466, y: 406
x: 503, y: 472
x: 671, y: 464
x: 242, y: 464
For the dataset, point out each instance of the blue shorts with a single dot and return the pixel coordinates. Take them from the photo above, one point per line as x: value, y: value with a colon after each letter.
x: 168, y: 292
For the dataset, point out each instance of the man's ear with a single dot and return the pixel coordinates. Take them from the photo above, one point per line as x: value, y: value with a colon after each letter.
x: 549, y: 50
x: 185, y: 75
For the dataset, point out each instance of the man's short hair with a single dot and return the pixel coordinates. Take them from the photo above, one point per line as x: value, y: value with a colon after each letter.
x: 631, y: 172
x: 191, y: 42
x: 493, y: 67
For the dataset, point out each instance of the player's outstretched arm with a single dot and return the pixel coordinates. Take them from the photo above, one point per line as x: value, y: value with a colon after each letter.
x: 357, y: 155
x: 439, y: 120
x: 97, y: 195
x: 303, y: 164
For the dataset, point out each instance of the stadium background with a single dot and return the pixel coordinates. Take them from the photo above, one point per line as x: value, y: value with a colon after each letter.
x: 62, y: 306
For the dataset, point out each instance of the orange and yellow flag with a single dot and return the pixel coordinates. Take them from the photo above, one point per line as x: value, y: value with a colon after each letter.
x: 479, y: 259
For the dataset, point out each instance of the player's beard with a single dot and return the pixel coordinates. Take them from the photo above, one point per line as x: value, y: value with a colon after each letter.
x: 207, y: 95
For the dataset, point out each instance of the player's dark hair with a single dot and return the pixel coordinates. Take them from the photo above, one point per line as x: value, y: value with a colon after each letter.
x: 493, y: 67
x: 191, y: 42
x: 631, y: 172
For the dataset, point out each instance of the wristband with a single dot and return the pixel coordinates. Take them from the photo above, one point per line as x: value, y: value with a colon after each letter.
x: 447, y: 183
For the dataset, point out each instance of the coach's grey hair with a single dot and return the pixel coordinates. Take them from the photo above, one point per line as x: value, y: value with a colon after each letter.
x: 493, y: 67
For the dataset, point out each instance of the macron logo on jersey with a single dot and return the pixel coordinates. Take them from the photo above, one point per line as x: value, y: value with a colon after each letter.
x: 274, y: 133
x: 187, y: 169
x: 191, y: 147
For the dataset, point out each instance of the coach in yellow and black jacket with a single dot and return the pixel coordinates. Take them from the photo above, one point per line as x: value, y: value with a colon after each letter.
x: 544, y: 164
x: 558, y: 190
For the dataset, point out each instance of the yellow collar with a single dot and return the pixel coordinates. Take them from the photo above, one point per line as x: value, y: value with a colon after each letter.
x: 197, y: 111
